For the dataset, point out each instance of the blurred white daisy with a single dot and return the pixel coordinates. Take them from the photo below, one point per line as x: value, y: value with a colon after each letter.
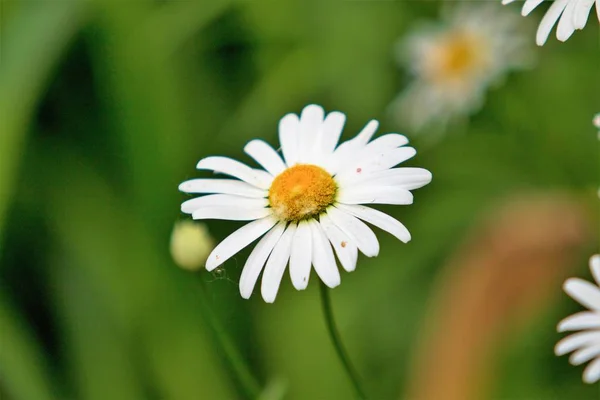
x: 571, y: 15
x: 308, y: 201
x: 453, y: 63
x: 585, y: 345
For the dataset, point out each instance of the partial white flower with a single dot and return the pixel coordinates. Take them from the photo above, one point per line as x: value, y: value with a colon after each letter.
x: 453, y: 62
x: 585, y: 345
x: 571, y: 15
x: 596, y: 122
x: 307, y: 202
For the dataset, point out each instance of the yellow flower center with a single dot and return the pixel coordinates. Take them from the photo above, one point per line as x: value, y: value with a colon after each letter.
x: 301, y: 191
x: 458, y: 56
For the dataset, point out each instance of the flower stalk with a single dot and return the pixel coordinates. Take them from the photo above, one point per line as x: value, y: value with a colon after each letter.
x: 337, y: 343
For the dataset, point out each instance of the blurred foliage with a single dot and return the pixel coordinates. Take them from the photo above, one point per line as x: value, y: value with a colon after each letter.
x: 106, y: 106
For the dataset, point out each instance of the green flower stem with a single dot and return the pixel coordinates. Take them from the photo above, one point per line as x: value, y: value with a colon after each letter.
x: 337, y: 342
x: 237, y: 364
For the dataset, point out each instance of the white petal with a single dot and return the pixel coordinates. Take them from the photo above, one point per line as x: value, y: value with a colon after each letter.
x: 239, y: 239
x: 529, y: 6
x: 379, y: 219
x: 405, y: 178
x: 231, y: 213
x: 265, y: 156
x: 375, y: 194
x: 595, y: 267
x: 332, y: 130
x: 289, y: 128
x: 224, y: 186
x: 566, y: 26
x: 549, y: 20
x: 584, y: 355
x: 255, y: 177
x: 359, y: 233
x: 257, y: 259
x: 584, y: 292
x: 581, y: 14
x: 387, y: 141
x: 348, y: 151
x: 591, y: 374
x: 579, y: 321
x: 346, y: 251
x: 311, y: 121
x: 375, y: 162
x: 575, y: 341
x: 275, y: 268
x: 598, y: 9
x: 505, y: 2
x: 212, y: 200
x: 322, y: 256
x: 301, y: 256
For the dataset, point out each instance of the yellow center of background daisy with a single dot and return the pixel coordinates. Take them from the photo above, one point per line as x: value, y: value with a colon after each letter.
x: 458, y: 56
x: 301, y: 191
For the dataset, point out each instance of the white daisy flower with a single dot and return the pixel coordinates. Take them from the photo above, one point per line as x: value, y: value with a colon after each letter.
x: 308, y: 201
x: 585, y: 345
x: 571, y: 15
x: 453, y: 63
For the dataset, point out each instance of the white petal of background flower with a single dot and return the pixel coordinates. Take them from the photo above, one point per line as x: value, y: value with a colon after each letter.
x: 584, y: 344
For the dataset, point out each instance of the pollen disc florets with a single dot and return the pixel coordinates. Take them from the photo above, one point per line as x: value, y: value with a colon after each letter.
x: 301, y: 191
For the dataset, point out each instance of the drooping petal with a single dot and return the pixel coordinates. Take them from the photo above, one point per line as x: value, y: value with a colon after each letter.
x: 529, y: 6
x: 595, y: 267
x: 359, y: 233
x: 381, y: 220
x: 584, y: 292
x: 213, y: 200
x: 256, y: 260
x: 322, y: 256
x: 566, y: 24
x: 239, y: 239
x: 549, y: 20
x: 255, y: 177
x: 584, y: 355
x: 275, y: 267
x: 301, y: 256
x: 223, y: 186
x: 582, y: 12
x: 580, y: 321
x: 591, y: 374
x: 289, y: 129
x: 265, y: 156
x: 345, y: 249
x: 576, y: 341
x: 231, y: 213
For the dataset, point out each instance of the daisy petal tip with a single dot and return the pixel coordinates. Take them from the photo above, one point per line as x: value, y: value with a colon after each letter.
x: 595, y: 262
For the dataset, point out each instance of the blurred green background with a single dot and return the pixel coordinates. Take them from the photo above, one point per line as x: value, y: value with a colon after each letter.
x: 105, y: 107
